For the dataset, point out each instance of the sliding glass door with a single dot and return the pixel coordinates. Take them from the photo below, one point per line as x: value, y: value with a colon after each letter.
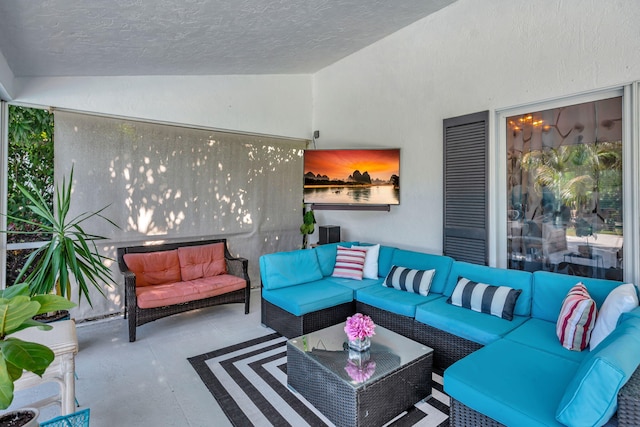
x: 564, y: 189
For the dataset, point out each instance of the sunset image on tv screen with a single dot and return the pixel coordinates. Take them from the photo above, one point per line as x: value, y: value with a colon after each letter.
x: 352, y: 176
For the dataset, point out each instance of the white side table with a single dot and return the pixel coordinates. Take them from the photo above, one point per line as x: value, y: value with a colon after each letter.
x: 62, y: 340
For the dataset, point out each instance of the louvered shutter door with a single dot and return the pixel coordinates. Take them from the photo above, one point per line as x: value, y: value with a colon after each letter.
x: 465, y: 187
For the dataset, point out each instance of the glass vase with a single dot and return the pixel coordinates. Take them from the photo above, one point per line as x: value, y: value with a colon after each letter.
x: 360, y: 344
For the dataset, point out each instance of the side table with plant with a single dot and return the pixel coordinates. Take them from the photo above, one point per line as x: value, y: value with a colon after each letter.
x: 17, y: 309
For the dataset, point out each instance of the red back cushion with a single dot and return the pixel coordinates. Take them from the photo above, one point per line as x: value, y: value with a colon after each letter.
x: 154, y: 268
x: 202, y: 261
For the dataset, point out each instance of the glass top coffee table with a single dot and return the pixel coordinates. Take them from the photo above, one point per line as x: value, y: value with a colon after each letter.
x: 359, y: 388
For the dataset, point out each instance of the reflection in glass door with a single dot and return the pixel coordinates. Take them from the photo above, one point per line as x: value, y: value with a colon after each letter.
x: 564, y: 190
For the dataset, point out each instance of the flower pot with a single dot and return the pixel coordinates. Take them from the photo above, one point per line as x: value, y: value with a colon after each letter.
x: 53, y: 316
x: 24, y: 417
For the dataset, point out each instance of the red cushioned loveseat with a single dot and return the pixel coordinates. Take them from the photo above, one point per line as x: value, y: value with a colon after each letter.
x: 166, y: 279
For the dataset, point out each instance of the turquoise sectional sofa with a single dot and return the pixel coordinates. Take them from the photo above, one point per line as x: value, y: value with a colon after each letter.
x: 496, y: 371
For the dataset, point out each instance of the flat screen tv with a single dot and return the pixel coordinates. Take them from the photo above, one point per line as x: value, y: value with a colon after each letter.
x: 352, y: 177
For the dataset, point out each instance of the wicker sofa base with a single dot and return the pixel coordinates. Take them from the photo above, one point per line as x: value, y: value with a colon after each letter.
x: 447, y: 348
x: 290, y: 325
x: 146, y: 315
x: 461, y: 415
x: 397, y: 323
x: 629, y: 402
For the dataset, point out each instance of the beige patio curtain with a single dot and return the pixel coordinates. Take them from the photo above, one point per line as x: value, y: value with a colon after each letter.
x: 166, y: 182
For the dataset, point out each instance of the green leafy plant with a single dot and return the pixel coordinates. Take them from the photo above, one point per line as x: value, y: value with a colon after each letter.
x: 69, y: 252
x: 308, y: 226
x: 17, y: 308
x: 30, y: 154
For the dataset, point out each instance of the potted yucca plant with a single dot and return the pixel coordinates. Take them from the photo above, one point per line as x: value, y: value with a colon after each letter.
x: 17, y: 309
x: 70, y: 251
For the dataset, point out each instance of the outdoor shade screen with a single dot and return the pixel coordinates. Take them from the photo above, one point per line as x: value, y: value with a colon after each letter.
x: 165, y: 182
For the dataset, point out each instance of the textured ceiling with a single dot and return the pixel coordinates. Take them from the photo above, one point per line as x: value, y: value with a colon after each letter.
x: 194, y: 37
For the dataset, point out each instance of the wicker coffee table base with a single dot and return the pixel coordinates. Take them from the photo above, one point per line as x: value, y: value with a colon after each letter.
x: 372, y: 405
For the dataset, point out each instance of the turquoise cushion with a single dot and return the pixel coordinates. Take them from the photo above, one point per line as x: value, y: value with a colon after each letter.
x: 385, y: 260
x: 468, y: 324
x: 549, y: 290
x: 393, y: 300
x: 309, y: 297
x: 497, y: 277
x: 283, y: 269
x: 629, y: 315
x: 591, y: 396
x: 354, y: 284
x: 541, y: 335
x: 327, y: 256
x: 514, y: 384
x: 421, y: 261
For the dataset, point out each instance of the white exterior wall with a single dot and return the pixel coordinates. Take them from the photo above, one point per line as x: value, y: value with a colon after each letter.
x: 6, y: 79
x: 468, y: 57
x: 271, y: 104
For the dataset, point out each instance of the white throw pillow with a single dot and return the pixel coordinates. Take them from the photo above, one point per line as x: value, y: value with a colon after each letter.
x: 371, y: 261
x: 622, y: 299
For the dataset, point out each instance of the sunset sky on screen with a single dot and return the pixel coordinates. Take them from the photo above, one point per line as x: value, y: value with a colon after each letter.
x: 339, y: 164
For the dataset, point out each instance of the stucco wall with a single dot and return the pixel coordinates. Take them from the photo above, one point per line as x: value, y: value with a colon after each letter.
x: 468, y: 57
x: 6, y: 79
x: 271, y: 104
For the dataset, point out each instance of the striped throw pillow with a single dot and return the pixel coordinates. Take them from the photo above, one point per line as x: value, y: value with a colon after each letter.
x: 498, y: 301
x: 349, y: 263
x: 410, y: 280
x: 577, y: 319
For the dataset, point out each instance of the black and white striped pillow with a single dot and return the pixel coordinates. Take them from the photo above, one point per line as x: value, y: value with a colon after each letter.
x: 410, y: 280
x: 495, y: 300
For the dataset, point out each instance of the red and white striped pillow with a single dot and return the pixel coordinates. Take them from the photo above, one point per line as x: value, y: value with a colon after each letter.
x: 349, y: 263
x: 577, y: 319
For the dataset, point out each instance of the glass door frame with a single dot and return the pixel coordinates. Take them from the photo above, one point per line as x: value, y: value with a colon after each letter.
x: 630, y: 172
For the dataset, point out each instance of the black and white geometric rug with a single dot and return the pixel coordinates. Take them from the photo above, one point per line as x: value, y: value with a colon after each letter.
x: 249, y: 382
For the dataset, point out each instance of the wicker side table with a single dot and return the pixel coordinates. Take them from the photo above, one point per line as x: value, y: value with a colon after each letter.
x: 316, y: 369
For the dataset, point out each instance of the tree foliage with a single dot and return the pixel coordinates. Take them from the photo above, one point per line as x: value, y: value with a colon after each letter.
x: 30, y: 159
x: 30, y: 162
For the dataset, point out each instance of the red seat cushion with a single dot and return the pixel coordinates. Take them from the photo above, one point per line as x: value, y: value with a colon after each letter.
x: 176, y: 293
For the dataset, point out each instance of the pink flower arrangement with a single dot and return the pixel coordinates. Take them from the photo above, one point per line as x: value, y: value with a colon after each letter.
x: 359, y: 326
x: 360, y: 374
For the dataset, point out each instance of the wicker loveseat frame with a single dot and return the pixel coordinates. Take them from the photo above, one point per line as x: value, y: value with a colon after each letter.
x: 139, y: 316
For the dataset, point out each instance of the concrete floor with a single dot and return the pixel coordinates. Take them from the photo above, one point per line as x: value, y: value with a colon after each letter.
x: 150, y: 382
